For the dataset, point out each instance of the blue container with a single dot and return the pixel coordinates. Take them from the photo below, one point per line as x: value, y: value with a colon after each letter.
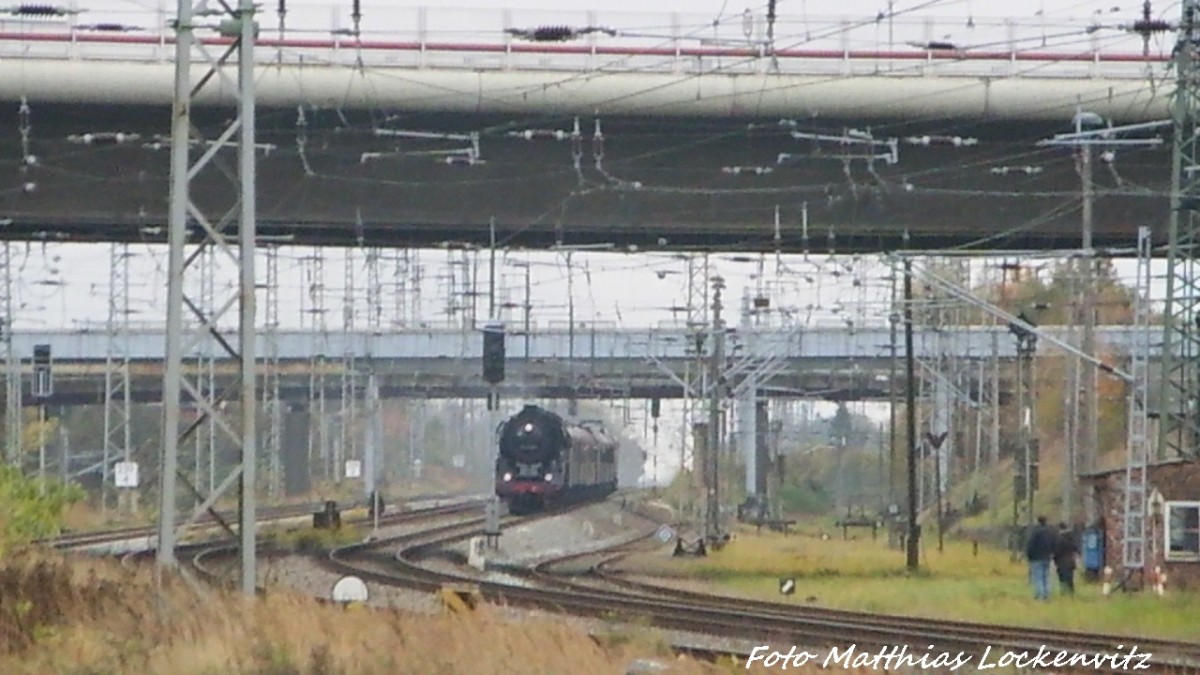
x: 1093, y: 549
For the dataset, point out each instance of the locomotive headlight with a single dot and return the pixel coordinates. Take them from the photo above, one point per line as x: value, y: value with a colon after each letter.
x: 549, y: 477
x: 507, y: 477
x: 528, y: 427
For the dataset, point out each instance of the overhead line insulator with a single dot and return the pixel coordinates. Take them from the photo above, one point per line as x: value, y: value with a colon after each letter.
x: 557, y: 33
x: 39, y: 10
x: 110, y: 27
x: 1150, y: 26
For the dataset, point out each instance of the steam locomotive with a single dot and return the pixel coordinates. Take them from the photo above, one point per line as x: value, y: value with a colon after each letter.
x: 545, y: 460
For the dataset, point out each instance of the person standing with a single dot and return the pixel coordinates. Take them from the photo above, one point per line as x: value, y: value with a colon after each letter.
x: 1039, y: 549
x: 1065, y: 551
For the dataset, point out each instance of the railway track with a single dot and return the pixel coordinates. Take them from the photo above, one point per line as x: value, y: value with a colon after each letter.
x: 78, y: 540
x: 1173, y: 656
x: 208, y: 559
x: 816, y: 633
x: 209, y: 521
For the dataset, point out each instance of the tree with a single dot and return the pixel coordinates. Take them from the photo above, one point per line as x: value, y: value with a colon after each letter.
x: 1048, y: 295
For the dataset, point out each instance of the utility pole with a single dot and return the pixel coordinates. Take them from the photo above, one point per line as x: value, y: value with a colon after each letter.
x: 13, y: 417
x: 241, y: 27
x: 694, y: 377
x: 712, y: 510
x: 570, y: 309
x: 1025, y: 480
x: 1083, y: 440
x: 1087, y: 438
x: 313, y: 302
x: 373, y: 433
x: 571, y: 402
x: 273, y: 402
x: 894, y: 320
x: 12, y: 362
x: 528, y: 310
x: 914, y: 531
x: 492, y: 269
x: 348, y: 408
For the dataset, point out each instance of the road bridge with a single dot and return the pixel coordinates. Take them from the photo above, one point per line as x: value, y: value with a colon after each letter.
x: 821, y: 362
x: 407, y: 137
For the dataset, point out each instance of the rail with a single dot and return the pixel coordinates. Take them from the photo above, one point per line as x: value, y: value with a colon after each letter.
x: 1165, y: 655
x: 724, y: 616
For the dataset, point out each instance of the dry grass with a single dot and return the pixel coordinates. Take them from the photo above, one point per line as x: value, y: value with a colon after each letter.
x: 86, y: 617
x: 958, y: 583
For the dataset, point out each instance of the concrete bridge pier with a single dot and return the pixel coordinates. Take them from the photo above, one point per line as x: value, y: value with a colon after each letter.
x: 747, y: 424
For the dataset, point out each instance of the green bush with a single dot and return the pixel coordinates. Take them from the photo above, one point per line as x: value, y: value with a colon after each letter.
x: 29, y: 513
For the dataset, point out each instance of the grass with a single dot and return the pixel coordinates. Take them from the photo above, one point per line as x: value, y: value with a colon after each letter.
x: 64, y: 616
x: 309, y: 540
x: 956, y: 584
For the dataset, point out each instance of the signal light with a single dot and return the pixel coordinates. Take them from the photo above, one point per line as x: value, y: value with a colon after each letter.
x: 493, y: 353
x: 43, y: 377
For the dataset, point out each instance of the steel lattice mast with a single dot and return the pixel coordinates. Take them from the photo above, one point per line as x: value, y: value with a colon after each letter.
x: 117, y: 384
x: 695, y: 376
x: 1133, y: 521
x: 272, y: 400
x: 214, y: 233
x: 1180, y: 397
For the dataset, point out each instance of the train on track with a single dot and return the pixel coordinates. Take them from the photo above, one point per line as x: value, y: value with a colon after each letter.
x: 545, y: 461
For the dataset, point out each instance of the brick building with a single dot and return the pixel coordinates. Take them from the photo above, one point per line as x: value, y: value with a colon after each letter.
x: 1173, y: 521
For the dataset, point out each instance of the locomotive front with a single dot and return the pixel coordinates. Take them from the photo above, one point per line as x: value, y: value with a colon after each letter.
x: 529, y: 464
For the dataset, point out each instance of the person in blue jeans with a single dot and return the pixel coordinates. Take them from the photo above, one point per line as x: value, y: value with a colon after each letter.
x: 1039, y: 549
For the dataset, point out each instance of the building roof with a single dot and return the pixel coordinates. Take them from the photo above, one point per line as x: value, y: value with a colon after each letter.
x: 1175, y: 479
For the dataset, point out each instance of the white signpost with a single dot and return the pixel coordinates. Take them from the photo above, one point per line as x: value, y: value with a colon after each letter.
x: 787, y: 586
x: 125, y: 474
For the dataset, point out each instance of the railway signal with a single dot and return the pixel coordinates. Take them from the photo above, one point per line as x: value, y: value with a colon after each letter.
x: 493, y: 353
x: 43, y: 377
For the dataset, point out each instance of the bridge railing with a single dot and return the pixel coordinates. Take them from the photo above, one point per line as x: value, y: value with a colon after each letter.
x: 319, y: 34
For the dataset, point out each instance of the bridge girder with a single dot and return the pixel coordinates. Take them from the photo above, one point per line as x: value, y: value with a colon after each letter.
x: 664, y: 185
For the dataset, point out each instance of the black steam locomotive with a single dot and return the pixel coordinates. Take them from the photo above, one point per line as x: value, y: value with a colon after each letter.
x: 545, y: 460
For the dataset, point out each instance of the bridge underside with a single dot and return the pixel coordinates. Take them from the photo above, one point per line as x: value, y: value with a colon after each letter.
x: 443, y: 378
x: 660, y: 183
x: 821, y: 379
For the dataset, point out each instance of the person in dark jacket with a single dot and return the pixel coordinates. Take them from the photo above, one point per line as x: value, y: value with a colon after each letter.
x: 1039, y: 549
x: 1065, y: 550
